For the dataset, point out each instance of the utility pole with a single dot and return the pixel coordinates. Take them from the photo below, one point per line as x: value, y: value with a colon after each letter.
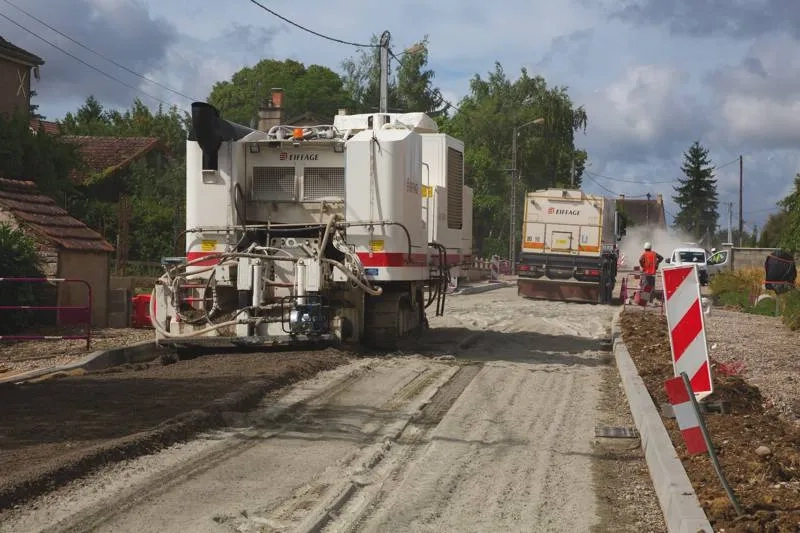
x: 512, y: 241
x: 741, y: 212
x: 730, y: 222
x: 572, y: 172
x: 384, y: 103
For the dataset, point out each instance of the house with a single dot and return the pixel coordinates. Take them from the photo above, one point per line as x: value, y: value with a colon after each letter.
x: 16, y: 67
x: 645, y: 213
x: 107, y: 156
x: 50, y: 128
x: 68, y: 248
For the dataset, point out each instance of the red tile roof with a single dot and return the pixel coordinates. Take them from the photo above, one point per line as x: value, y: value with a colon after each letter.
x: 41, y: 214
x: 50, y: 128
x: 108, y: 155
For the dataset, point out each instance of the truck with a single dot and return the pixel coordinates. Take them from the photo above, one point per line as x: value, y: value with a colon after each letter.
x: 338, y: 233
x: 569, y: 246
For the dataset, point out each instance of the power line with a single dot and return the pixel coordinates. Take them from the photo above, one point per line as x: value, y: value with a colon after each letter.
x: 76, y: 58
x: 312, y: 32
x: 623, y: 180
x: 123, y: 67
x: 610, y: 191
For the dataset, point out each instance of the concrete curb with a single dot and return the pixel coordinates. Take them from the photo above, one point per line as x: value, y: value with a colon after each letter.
x: 678, y: 500
x: 135, y: 353
x: 477, y: 289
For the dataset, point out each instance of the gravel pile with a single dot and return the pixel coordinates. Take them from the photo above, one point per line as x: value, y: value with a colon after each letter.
x: 19, y: 357
x: 763, y: 351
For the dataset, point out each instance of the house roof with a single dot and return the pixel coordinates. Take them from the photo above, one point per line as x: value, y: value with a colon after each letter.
x: 41, y: 214
x: 15, y: 53
x: 643, y: 212
x: 108, y: 155
x: 308, y: 119
x: 51, y: 128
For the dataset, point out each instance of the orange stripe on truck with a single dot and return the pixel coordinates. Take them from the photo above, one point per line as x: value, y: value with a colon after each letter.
x: 588, y: 248
x: 534, y: 245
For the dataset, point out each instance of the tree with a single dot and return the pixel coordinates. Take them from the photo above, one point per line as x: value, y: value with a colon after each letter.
x: 772, y: 231
x: 790, y: 234
x: 697, y: 194
x: 485, y: 121
x: 18, y: 258
x: 33, y: 109
x: 35, y: 156
x: 410, y: 89
x: 155, y: 186
x: 314, y: 89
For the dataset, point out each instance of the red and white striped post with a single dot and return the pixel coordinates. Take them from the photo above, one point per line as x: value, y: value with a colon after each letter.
x: 687, y: 418
x: 687, y: 335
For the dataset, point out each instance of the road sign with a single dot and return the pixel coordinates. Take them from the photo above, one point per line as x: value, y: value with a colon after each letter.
x: 687, y: 335
x: 688, y: 421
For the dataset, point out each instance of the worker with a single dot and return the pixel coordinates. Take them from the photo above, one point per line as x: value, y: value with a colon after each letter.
x: 649, y: 261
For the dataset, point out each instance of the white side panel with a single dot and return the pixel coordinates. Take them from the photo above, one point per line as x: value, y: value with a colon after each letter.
x: 209, y: 202
x: 555, y: 216
x: 388, y: 191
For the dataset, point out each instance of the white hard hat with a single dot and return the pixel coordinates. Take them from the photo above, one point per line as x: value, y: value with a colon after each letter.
x: 647, y: 246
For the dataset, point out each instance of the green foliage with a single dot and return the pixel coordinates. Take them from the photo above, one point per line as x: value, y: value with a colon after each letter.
x: 409, y: 90
x: 314, y: 89
x: 790, y: 234
x: 697, y: 194
x: 25, y: 155
x: 790, y: 309
x: 485, y: 121
x: 771, y: 232
x: 156, y: 185
x: 18, y: 259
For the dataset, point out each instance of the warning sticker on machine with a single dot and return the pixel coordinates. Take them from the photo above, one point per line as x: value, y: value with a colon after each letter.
x: 208, y: 246
x: 427, y: 191
x: 376, y: 246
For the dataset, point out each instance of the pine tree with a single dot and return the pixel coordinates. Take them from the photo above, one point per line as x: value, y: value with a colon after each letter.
x: 697, y: 194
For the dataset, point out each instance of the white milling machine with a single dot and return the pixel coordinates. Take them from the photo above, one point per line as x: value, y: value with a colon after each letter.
x: 340, y: 233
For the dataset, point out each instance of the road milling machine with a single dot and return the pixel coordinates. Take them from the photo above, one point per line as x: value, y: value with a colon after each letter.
x: 335, y: 233
x: 569, y: 246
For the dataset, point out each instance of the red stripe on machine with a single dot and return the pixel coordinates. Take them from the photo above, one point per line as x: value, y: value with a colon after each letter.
x: 391, y: 259
x: 191, y: 256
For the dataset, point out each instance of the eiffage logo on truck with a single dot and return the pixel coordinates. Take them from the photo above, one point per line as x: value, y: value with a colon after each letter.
x: 554, y: 211
x: 298, y: 157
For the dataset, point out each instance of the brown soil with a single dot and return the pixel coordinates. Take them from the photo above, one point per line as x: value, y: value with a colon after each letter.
x: 58, y: 429
x: 768, y: 487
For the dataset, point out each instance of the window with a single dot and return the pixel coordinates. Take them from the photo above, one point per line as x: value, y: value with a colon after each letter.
x: 691, y: 257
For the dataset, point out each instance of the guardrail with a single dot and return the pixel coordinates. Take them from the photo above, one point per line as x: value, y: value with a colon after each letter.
x: 83, y: 313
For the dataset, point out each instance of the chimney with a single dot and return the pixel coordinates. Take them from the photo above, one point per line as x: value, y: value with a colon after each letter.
x: 271, y: 111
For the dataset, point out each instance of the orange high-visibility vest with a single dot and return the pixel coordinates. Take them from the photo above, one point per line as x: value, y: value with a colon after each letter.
x: 648, y: 263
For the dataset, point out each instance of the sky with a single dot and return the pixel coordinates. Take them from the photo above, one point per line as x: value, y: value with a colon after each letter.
x: 653, y: 75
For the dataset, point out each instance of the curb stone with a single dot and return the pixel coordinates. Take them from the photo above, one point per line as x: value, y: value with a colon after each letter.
x: 676, y: 496
x: 140, y: 352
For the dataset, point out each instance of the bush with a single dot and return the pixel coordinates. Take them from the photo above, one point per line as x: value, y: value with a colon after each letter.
x: 18, y: 258
x: 790, y: 307
x: 739, y: 288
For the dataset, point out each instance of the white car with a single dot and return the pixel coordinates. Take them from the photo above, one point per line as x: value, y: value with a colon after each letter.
x: 691, y: 256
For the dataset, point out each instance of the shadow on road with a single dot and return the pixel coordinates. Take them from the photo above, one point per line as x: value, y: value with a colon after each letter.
x: 512, y: 346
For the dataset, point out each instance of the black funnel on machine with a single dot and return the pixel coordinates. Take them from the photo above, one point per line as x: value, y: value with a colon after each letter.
x: 210, y: 131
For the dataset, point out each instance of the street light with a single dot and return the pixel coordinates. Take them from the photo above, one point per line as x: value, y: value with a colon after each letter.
x: 512, y: 241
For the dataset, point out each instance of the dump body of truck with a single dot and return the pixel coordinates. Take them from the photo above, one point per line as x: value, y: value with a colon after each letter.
x: 569, y: 246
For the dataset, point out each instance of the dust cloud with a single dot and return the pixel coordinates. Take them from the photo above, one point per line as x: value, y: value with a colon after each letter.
x: 663, y: 241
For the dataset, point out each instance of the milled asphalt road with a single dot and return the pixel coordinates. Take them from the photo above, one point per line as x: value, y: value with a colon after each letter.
x: 497, y: 438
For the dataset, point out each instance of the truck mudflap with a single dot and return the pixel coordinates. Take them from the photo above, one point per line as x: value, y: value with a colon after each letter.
x: 561, y: 290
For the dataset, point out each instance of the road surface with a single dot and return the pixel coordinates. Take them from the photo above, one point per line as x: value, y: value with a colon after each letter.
x: 483, y: 424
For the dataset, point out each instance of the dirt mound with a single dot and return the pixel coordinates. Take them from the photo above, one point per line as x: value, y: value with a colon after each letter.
x: 56, y: 430
x: 767, y: 486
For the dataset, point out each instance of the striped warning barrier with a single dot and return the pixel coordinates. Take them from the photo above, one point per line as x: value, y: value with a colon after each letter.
x: 687, y: 336
x: 685, y: 415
